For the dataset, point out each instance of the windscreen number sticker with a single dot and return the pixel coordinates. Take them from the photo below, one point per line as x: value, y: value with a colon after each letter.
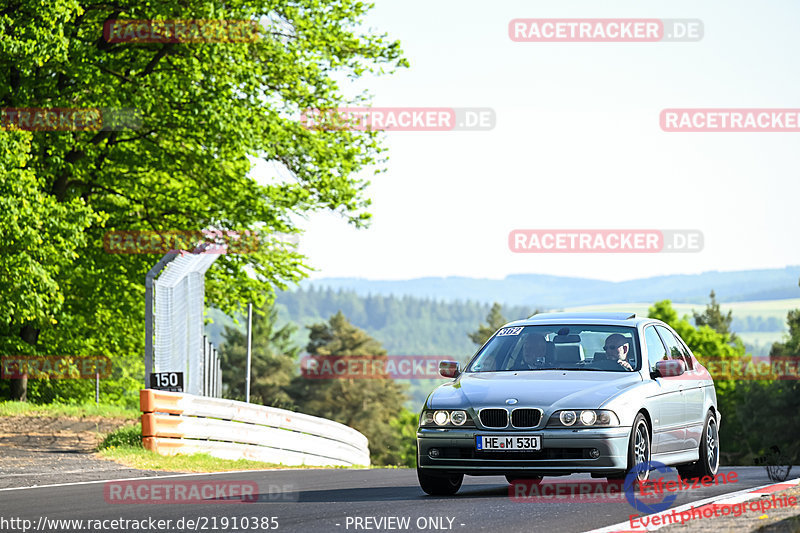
x: 509, y: 331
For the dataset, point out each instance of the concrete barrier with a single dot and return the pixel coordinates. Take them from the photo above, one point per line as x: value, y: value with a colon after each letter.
x: 178, y: 423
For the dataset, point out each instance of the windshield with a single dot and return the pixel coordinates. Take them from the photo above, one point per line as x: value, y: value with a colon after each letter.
x: 574, y: 347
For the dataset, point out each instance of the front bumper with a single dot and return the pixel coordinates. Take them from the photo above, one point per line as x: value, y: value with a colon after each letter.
x: 564, y: 451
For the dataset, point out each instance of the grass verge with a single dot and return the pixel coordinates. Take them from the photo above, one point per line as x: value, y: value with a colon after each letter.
x: 200, y: 462
x: 124, y: 446
x: 64, y: 410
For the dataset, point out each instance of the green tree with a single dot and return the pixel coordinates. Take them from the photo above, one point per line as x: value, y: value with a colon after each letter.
x: 790, y: 347
x: 405, y: 425
x: 776, y: 404
x: 368, y: 405
x: 273, y: 360
x: 495, y: 320
x: 40, y: 236
x: 714, y: 318
x: 208, y: 112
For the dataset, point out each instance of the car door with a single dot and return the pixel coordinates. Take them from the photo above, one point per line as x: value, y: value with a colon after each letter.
x: 692, y: 388
x: 669, y: 429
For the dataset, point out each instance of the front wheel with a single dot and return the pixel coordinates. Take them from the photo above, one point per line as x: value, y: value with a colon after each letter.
x: 439, y: 484
x: 708, y: 465
x: 638, y: 452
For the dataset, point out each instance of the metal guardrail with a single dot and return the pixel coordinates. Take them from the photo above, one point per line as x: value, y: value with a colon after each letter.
x: 178, y: 423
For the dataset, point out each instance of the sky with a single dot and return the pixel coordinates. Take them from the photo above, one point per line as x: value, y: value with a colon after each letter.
x: 576, y: 145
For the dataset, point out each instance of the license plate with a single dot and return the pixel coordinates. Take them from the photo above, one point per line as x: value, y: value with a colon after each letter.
x: 506, y: 442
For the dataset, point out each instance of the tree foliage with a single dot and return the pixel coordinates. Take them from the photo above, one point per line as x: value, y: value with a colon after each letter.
x: 494, y: 320
x: 208, y: 112
x: 368, y: 405
x: 273, y: 360
x: 790, y: 347
x: 406, y: 425
x: 403, y: 324
x: 714, y: 318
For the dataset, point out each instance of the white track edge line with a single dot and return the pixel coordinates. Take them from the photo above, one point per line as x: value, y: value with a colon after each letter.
x: 625, y: 526
x: 168, y: 476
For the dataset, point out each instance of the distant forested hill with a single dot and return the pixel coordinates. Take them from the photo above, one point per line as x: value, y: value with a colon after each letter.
x: 553, y: 292
x: 404, y: 325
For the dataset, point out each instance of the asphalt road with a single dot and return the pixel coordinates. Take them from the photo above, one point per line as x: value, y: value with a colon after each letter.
x: 333, y: 500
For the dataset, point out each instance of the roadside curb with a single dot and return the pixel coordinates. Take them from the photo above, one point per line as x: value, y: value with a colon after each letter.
x: 722, y: 499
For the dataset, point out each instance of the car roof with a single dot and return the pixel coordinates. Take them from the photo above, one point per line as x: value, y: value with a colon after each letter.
x: 600, y: 319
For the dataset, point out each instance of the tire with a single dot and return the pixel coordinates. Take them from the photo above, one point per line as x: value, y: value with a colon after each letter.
x: 708, y: 465
x: 533, y: 480
x: 439, y: 484
x: 638, y: 451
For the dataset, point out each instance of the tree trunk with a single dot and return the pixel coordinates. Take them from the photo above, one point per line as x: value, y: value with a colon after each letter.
x: 19, y: 387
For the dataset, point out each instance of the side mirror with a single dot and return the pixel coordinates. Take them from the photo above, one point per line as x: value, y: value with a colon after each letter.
x: 670, y: 368
x: 449, y: 369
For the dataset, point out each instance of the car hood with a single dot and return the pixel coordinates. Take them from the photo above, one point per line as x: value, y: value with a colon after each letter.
x: 539, y: 388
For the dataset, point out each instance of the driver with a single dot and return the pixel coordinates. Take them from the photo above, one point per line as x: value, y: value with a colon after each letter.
x: 534, y: 348
x: 616, y: 348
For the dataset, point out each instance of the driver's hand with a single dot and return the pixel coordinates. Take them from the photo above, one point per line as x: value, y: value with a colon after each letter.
x: 625, y: 364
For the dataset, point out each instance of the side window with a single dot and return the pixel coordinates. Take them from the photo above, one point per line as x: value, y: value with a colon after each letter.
x: 687, y: 353
x: 655, y: 348
x: 674, y: 347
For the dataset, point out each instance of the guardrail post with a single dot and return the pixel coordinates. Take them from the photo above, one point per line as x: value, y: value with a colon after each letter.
x: 219, y: 378
x: 249, y: 349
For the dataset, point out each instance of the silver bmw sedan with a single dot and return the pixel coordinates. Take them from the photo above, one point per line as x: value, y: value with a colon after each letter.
x: 563, y: 393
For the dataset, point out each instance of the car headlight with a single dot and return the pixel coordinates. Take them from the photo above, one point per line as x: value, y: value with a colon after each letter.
x: 444, y: 417
x: 583, y: 418
x: 458, y: 417
x: 567, y: 417
x: 588, y: 418
x: 441, y: 417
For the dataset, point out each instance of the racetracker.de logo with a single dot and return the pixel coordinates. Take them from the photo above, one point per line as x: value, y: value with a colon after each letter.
x: 399, y: 119
x: 196, y: 242
x: 730, y: 120
x: 605, y: 30
x: 155, y: 491
x: 606, y: 241
x: 55, y: 367
x: 755, y: 369
x: 69, y: 119
x: 370, y: 366
x: 524, y: 490
x: 181, y: 31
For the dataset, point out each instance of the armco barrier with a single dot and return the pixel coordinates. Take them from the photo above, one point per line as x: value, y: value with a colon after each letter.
x: 177, y: 423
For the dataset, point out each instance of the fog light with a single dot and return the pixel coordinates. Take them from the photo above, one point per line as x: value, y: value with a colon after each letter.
x: 433, y: 452
x: 594, y: 453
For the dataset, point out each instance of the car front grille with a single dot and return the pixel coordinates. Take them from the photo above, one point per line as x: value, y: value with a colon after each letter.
x: 494, y: 418
x: 525, y: 418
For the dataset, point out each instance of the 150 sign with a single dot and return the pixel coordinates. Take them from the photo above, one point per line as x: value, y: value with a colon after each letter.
x: 168, y: 381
